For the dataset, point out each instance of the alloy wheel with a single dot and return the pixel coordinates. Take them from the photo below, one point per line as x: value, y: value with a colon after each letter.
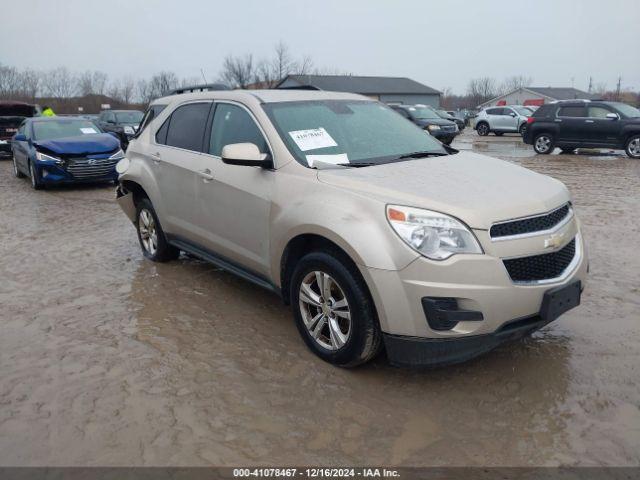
x: 543, y: 143
x: 634, y: 147
x: 148, y: 231
x: 325, y: 310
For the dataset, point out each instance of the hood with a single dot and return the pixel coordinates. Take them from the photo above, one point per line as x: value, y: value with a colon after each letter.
x: 433, y: 121
x: 477, y: 189
x: 79, y: 145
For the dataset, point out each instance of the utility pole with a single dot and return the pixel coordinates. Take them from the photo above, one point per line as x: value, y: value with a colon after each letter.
x: 618, y: 88
x: 590, y: 84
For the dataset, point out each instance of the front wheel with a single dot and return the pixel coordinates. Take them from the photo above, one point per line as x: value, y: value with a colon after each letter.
x: 334, y: 311
x: 633, y: 147
x: 151, y: 236
x: 543, y: 144
x: 16, y: 171
x: 522, y: 129
x: 36, y: 183
x: 483, y: 129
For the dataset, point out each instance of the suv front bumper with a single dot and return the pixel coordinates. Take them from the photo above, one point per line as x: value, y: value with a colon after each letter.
x: 479, y: 284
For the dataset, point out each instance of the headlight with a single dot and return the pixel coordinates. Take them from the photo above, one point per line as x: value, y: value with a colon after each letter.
x: 123, y: 165
x: 431, y: 128
x: 117, y: 155
x: 435, y: 235
x: 43, y: 157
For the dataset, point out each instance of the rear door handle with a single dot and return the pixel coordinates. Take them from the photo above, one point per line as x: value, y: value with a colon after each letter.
x: 588, y: 121
x: 206, y: 175
x: 156, y: 157
x: 557, y: 120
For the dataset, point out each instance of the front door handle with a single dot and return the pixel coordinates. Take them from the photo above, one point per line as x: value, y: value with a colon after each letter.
x: 206, y: 175
x: 156, y: 157
x: 588, y: 121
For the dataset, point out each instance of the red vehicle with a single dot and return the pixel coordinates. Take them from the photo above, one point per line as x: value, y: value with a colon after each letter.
x: 11, y: 116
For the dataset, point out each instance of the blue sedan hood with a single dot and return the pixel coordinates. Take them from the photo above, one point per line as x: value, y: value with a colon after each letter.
x: 82, y: 144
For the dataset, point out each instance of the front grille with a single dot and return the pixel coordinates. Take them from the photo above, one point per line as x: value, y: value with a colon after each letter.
x: 530, y: 224
x: 541, y: 267
x: 91, y: 167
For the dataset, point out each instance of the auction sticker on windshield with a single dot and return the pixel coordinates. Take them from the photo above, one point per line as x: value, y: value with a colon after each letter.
x: 312, y: 139
x: 88, y: 130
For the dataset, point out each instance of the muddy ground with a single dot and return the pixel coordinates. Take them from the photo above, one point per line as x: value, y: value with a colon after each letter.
x: 109, y: 359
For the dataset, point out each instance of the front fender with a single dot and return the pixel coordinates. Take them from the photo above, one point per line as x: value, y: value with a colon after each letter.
x: 356, y: 224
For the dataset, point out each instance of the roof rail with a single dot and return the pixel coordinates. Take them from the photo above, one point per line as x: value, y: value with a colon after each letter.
x: 197, y: 88
x: 574, y: 100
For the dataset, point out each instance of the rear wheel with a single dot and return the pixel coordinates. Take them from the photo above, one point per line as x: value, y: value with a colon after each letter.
x: 151, y: 236
x: 633, y: 147
x: 543, y: 144
x: 483, y: 129
x: 334, y: 311
x: 16, y: 171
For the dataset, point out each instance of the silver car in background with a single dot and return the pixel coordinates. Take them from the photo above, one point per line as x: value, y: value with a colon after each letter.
x: 500, y: 120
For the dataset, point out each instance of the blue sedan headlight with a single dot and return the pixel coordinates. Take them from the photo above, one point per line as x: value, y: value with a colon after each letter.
x: 43, y: 157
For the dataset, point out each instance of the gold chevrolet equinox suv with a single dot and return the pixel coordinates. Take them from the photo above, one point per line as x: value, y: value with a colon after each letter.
x: 374, y: 232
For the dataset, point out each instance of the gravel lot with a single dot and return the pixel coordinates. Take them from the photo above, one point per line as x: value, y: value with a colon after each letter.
x: 109, y: 359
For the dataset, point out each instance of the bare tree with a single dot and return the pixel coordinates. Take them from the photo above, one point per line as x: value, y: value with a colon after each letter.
x: 31, y: 81
x: 92, y: 83
x: 238, y: 72
x: 9, y: 81
x: 163, y: 82
x: 59, y: 83
x: 482, y: 89
x: 127, y: 88
x: 144, y: 94
x: 515, y: 82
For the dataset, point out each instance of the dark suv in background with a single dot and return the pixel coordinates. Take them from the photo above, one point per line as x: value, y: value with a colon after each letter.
x: 584, y: 123
x: 123, y: 123
x: 427, y: 119
x: 12, y: 114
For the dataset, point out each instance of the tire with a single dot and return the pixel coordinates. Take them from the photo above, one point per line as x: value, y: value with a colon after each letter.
x: 567, y: 150
x: 522, y: 129
x: 447, y: 142
x: 151, y: 236
x: 632, y: 147
x: 498, y: 134
x: 342, y: 330
x: 36, y: 183
x: 543, y: 143
x: 483, y: 129
x: 16, y: 171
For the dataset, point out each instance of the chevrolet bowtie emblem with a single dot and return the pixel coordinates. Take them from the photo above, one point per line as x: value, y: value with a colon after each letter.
x: 554, y: 241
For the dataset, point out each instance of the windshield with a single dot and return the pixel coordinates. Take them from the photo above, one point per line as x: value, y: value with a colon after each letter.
x: 347, y: 131
x: 132, y: 117
x: 53, y: 129
x: 523, y: 111
x: 422, y: 113
x: 627, y: 110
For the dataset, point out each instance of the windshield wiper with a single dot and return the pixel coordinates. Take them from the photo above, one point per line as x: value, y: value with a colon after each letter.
x: 360, y: 164
x: 421, y: 155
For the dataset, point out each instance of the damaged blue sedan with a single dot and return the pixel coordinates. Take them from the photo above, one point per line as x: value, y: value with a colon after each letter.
x: 58, y: 150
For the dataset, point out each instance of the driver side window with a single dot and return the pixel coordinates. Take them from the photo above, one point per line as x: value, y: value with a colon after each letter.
x: 232, y: 124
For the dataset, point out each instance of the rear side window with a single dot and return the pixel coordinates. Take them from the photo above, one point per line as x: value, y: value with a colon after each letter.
x: 187, y: 126
x: 544, y: 111
x: 495, y: 111
x: 232, y: 124
x: 572, y: 112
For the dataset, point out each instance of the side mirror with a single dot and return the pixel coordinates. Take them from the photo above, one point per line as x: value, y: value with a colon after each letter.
x: 512, y: 114
x: 19, y: 137
x: 612, y: 116
x: 245, y: 154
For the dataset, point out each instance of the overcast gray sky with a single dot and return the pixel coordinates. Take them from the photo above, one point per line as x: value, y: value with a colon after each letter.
x: 441, y: 43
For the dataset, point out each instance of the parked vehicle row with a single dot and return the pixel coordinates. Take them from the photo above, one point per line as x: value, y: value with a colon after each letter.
x: 373, y: 232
